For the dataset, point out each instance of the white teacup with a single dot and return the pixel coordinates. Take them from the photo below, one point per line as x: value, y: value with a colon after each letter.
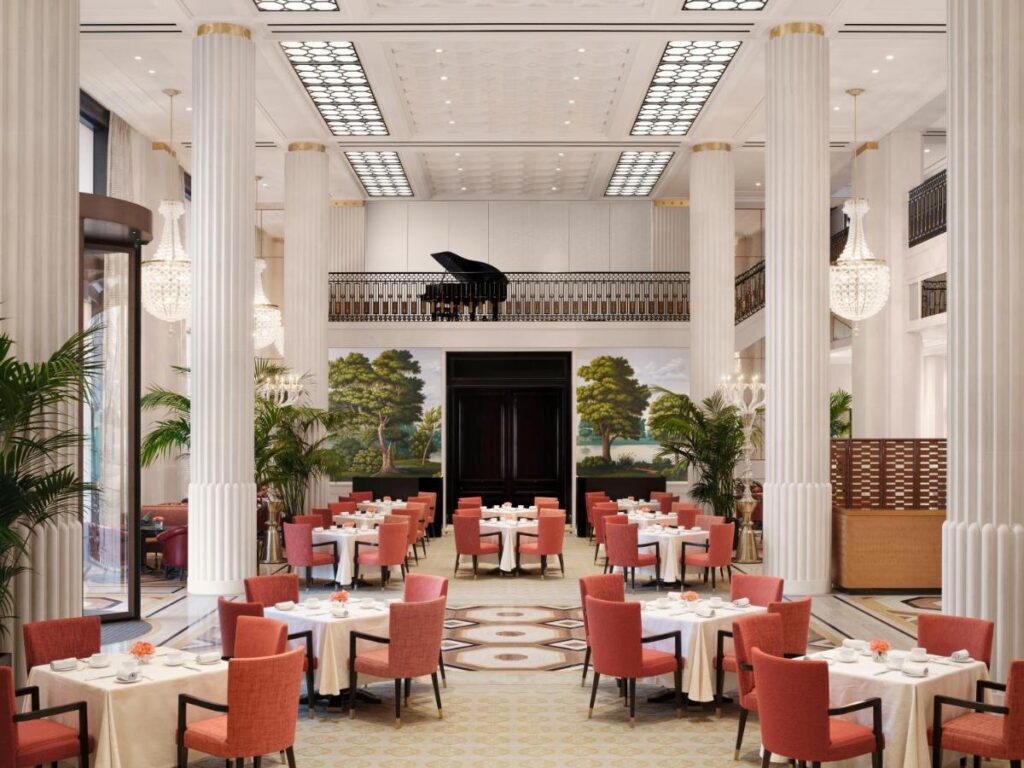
x: 742, y: 602
x: 312, y: 602
x: 339, y: 610
x: 98, y: 660
x: 716, y: 602
x: 894, y: 662
x: 174, y: 658
x: 919, y: 654
x: 847, y: 654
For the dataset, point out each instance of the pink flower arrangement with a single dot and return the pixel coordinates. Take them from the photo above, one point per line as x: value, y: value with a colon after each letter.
x: 339, y: 597
x: 690, y: 596
x: 880, y: 646
x: 142, y: 650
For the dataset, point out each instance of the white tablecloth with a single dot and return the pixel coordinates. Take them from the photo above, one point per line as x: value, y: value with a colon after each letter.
x: 670, y: 545
x: 700, y: 637
x: 629, y: 505
x: 361, y: 518
x: 331, y: 638
x: 508, y: 513
x: 380, y: 506
x: 906, y: 702
x: 508, y: 530
x: 134, y: 725
x: 346, y: 538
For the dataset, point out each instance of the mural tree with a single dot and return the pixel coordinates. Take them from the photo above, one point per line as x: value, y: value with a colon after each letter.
x: 384, y: 395
x: 425, y: 438
x: 612, y: 402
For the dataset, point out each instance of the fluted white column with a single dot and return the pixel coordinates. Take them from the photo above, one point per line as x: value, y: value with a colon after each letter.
x: 797, y: 494
x: 222, y: 494
x: 670, y: 236
x: 306, y: 241
x: 39, y: 259
x: 983, y: 538
x: 712, y: 267
x: 347, y: 236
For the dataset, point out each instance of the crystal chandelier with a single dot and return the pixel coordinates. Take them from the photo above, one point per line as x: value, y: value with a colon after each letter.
x: 266, y: 317
x: 283, y: 390
x: 858, y: 282
x: 167, y: 276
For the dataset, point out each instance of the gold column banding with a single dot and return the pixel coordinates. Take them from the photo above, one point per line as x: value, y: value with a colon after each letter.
x: 223, y: 28
x: 671, y: 203
x: 347, y: 203
x: 797, y: 27
x: 712, y: 146
x: 306, y: 146
x: 866, y: 146
x: 160, y: 145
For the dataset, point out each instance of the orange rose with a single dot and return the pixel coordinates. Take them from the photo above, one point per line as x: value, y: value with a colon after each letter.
x: 690, y: 596
x: 142, y: 649
x: 879, y: 646
x: 339, y: 597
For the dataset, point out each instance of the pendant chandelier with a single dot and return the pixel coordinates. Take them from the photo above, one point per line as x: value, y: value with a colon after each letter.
x: 858, y: 282
x: 266, y: 317
x: 167, y: 276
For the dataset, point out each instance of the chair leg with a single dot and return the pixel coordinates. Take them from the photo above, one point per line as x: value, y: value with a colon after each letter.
x: 437, y: 696
x: 353, y: 683
x: 593, y: 694
x: 290, y: 753
x: 398, y: 702
x: 719, y: 684
x: 766, y: 760
x: 543, y: 565
x: 440, y: 666
x: 456, y: 571
x: 239, y: 762
x: 586, y: 663
x: 182, y: 758
x: 310, y: 692
x: 679, y: 691
x: 713, y: 587
x: 937, y: 749
x: 476, y: 562
x: 739, y: 733
x: 408, y: 690
x: 632, y: 701
x: 257, y: 761
x: 561, y: 564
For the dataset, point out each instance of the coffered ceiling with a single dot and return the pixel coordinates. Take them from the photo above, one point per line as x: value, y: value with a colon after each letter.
x: 517, y: 99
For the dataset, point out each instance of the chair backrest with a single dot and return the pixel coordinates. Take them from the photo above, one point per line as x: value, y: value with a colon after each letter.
x: 258, y: 723
x: 312, y: 520
x: 393, y: 540
x: 471, y: 501
x: 621, y: 543
x: 545, y: 502
x: 8, y: 709
x: 467, y: 534
x: 341, y: 508
x: 720, y: 544
x: 174, y: 545
x: 762, y: 630
x: 603, y: 586
x: 792, y: 705
x: 759, y: 590
x: 796, y: 624
x: 415, y: 631
x: 325, y: 515
x: 1013, y: 723
x: 706, y: 521
x: 53, y: 639
x: 686, y: 514
x: 428, y: 506
x: 229, y: 611
x: 551, y: 512
x: 431, y: 498
x: 412, y: 523
x: 469, y: 512
x: 419, y: 509
x: 298, y: 544
x: 590, y: 499
x: 942, y: 634
x: 550, y: 533
x: 275, y: 588
x: 358, y: 496
x: 420, y: 587
x: 259, y: 636
x: 664, y: 499
x: 615, y: 633
x: 602, y: 510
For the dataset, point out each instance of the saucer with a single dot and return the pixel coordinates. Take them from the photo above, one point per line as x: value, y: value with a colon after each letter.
x: 968, y: 660
x: 174, y: 663
x: 841, y: 660
x: 127, y: 682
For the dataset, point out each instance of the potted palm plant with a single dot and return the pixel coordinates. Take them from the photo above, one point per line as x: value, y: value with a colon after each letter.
x: 39, y: 440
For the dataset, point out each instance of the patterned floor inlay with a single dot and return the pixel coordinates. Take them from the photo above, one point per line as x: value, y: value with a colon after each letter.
x: 898, y: 611
x: 520, y: 638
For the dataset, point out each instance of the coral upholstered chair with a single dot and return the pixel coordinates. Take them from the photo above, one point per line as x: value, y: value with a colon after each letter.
x: 665, y: 500
x: 413, y: 646
x: 469, y: 541
x: 310, y: 520
x: 46, y: 641
x: 341, y: 508
x: 386, y: 553
x: 253, y: 723
x: 546, y: 542
x: 256, y: 636
x: 173, y: 544
x: 796, y: 624
x: 275, y: 588
x: 990, y: 731
x: 607, y: 586
x: 28, y: 739
x: 616, y: 636
x: 796, y: 721
x: 718, y: 554
x: 624, y: 551
x: 589, y: 500
x: 360, y: 496
x: 420, y: 588
x: 325, y: 515
x: 602, y: 511
x: 686, y: 514
x: 545, y: 502
x: 471, y: 501
x: 228, y: 612
x: 943, y: 635
x: 469, y: 512
x: 299, y: 546
x: 759, y: 631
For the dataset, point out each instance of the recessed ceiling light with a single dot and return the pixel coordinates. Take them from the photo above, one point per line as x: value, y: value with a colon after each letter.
x: 459, y: 170
x: 581, y: 50
x: 138, y: 58
x: 458, y: 154
x: 874, y: 71
x: 568, y: 122
x: 681, y: 85
x: 757, y: 183
x: 558, y: 169
x: 335, y: 80
x: 835, y: 109
x: 188, y: 109
x: 554, y: 189
x: 724, y: 5
x: 637, y: 172
x: 439, y: 50
x: 572, y: 101
x: 151, y: 71
x: 447, y: 101
x: 561, y: 154
x: 463, y: 189
x: 889, y: 57
x: 297, y: 5
x: 451, y: 122
x: 265, y: 184
x: 444, y: 77
x: 575, y: 77
x: 927, y: 151
x: 381, y: 173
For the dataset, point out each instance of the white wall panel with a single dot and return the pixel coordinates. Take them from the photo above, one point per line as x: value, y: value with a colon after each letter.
x: 428, y: 233
x: 468, y: 228
x: 629, y: 234
x: 387, y: 231
x: 589, y: 236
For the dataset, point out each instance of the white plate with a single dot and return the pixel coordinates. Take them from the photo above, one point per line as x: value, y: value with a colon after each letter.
x: 968, y: 660
x: 173, y: 663
x: 910, y: 674
x: 841, y: 660
x: 127, y: 682
x: 93, y: 665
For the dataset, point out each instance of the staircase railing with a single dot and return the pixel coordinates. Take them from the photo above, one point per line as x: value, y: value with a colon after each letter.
x: 749, y: 292
x: 927, y: 209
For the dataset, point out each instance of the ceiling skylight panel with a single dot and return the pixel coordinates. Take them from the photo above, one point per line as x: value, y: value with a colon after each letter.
x: 381, y: 173
x: 683, y: 82
x: 297, y: 5
x: 335, y: 80
x: 724, y: 5
x: 637, y: 172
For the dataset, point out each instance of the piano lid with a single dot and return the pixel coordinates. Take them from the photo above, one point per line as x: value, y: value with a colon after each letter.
x: 466, y: 270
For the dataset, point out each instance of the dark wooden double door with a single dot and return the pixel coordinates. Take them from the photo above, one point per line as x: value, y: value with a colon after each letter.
x: 508, y: 426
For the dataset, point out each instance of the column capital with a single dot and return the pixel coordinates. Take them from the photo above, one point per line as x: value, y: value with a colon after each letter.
x: 160, y: 146
x: 797, y: 28
x: 712, y: 146
x: 866, y: 146
x: 223, y: 28
x: 306, y: 146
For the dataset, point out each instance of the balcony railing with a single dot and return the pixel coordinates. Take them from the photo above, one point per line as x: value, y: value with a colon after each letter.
x: 933, y: 296
x: 749, y: 292
x: 530, y: 296
x: 927, y: 209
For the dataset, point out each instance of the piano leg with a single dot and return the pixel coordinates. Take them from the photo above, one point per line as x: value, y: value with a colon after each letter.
x: 494, y: 310
x: 472, y: 310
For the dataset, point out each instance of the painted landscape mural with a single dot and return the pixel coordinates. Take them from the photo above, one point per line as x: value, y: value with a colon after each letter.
x: 615, y: 390
x: 391, y: 400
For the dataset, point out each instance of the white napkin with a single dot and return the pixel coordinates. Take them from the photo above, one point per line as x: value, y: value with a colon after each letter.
x: 851, y: 643
x: 914, y: 669
x: 63, y: 665
x: 675, y: 595
x: 742, y: 602
x: 208, y: 657
x: 286, y: 605
x: 962, y: 655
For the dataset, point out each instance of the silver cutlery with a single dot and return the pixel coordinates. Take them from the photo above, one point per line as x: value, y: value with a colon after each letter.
x: 102, y: 677
x: 884, y: 671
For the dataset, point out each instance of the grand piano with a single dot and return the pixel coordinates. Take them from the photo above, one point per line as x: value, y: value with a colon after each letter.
x: 468, y: 285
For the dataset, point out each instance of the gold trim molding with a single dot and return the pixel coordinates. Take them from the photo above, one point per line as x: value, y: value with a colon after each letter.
x: 710, y: 146
x: 671, y: 203
x: 164, y: 147
x: 866, y: 146
x: 346, y: 203
x: 223, y: 28
x: 306, y: 146
x: 797, y: 27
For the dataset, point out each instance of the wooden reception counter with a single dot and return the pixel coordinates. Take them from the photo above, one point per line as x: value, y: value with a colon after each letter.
x: 887, y: 548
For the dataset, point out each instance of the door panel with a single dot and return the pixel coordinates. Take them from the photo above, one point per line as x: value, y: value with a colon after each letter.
x: 480, y: 415
x: 535, y: 440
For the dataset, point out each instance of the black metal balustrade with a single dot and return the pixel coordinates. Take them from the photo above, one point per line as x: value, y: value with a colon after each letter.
x: 933, y: 296
x: 927, y: 210
x: 531, y: 296
x: 750, y: 292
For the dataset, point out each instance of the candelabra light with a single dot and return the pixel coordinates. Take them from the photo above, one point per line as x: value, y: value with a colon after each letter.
x: 283, y: 390
x: 747, y: 396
